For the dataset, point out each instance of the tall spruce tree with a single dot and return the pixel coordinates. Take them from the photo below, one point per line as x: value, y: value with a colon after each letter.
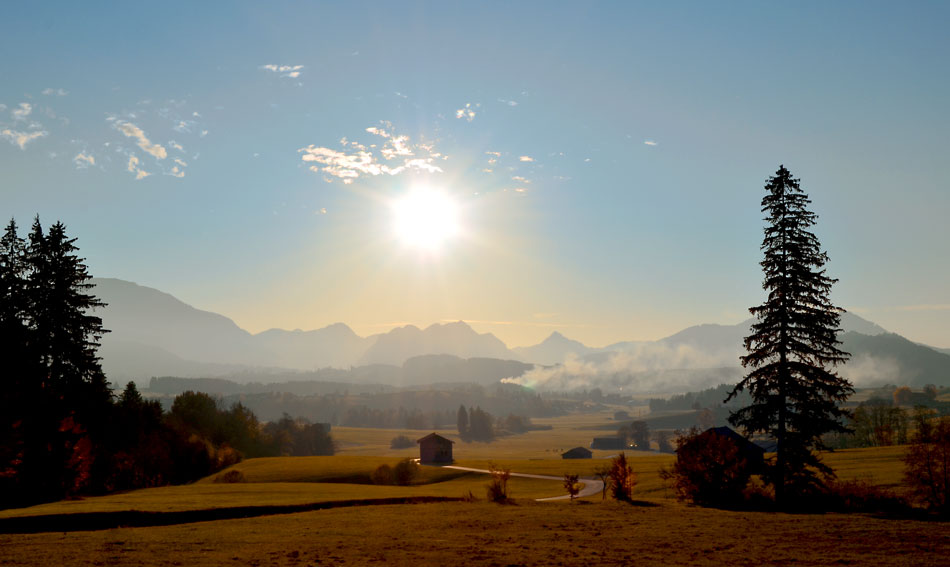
x: 793, y: 348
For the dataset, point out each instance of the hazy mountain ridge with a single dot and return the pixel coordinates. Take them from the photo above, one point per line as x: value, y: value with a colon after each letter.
x: 155, y: 334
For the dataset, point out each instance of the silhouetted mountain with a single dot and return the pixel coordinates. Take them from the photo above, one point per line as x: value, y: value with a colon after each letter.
x: 891, y: 359
x: 146, y: 316
x: 336, y: 345
x: 552, y: 350
x: 403, y: 343
x: 155, y: 334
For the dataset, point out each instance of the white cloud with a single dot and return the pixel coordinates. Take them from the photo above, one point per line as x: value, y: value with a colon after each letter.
x: 21, y: 138
x: 526, y: 158
x: 21, y: 112
x: 181, y: 162
x: 133, y: 131
x: 357, y: 159
x: 133, y: 167
x: 83, y: 160
x: 521, y: 179
x: 649, y: 143
x: 289, y: 71
x: 175, y: 145
x: 322, y: 211
x: 466, y: 112
x: 508, y: 102
x: 57, y: 92
x: 177, y: 172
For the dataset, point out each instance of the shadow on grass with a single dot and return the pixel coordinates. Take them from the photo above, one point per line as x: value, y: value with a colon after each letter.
x: 92, y: 521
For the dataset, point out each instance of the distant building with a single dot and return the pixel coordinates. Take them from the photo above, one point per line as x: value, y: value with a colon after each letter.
x: 607, y: 443
x: 577, y: 453
x: 434, y: 448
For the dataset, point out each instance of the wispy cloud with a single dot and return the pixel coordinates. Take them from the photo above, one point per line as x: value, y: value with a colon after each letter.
x: 356, y: 159
x: 650, y: 143
x: 133, y: 131
x: 289, y: 71
x: 508, y: 102
x: 84, y: 160
x: 22, y: 111
x: 57, y: 92
x: 467, y: 112
x: 22, y: 138
x: 925, y: 307
x: 133, y: 167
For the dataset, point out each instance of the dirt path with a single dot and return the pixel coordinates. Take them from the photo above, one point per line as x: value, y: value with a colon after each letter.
x: 592, y: 486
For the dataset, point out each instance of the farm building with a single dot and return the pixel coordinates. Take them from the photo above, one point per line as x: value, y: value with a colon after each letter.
x: 434, y: 448
x: 577, y: 453
x: 608, y: 443
x: 748, y: 450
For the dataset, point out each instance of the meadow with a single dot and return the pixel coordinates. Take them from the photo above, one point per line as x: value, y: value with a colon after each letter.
x: 277, y: 528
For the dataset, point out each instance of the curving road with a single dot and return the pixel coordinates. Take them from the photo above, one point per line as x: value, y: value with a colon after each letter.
x: 592, y: 486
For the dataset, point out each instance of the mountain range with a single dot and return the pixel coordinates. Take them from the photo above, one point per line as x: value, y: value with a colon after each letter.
x: 155, y: 334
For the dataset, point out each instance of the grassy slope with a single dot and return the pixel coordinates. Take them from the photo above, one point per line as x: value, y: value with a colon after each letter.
x: 482, y: 534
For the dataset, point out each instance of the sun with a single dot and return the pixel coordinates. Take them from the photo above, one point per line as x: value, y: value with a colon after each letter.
x: 426, y: 219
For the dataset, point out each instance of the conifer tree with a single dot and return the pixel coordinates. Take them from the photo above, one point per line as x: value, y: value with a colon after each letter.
x: 793, y: 348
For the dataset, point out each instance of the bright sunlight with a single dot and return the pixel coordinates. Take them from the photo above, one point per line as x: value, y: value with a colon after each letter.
x: 425, y: 218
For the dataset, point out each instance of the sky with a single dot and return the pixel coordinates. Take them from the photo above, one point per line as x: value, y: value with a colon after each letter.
x: 590, y: 168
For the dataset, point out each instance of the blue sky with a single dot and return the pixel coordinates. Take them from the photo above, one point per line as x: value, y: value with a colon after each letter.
x: 607, y: 159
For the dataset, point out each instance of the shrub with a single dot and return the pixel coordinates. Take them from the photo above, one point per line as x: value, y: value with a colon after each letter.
x: 927, y: 466
x: 622, y: 479
x: 230, y: 477
x: 498, y: 486
x: 405, y: 472
x: 382, y: 475
x: 571, y: 485
x: 861, y: 496
x: 709, y: 470
x: 401, y: 442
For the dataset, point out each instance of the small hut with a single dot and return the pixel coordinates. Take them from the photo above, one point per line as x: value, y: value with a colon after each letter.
x: 434, y: 448
x: 577, y: 453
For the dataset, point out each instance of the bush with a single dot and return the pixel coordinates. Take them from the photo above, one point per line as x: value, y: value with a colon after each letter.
x: 498, y: 486
x: 709, y: 470
x: 571, y: 485
x: 230, y: 477
x: 401, y: 442
x: 622, y: 479
x: 405, y: 472
x: 861, y: 496
x: 382, y: 475
x: 927, y: 465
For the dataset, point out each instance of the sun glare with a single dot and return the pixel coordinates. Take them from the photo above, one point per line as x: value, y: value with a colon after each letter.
x: 426, y: 219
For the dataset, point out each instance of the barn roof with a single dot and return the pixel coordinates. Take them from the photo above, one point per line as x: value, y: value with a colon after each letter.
x: 434, y: 437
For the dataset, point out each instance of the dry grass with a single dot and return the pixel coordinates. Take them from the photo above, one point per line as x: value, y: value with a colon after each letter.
x: 482, y: 534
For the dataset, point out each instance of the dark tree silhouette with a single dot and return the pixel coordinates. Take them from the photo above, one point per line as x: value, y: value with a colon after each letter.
x: 59, y: 399
x: 793, y: 348
x: 462, y: 422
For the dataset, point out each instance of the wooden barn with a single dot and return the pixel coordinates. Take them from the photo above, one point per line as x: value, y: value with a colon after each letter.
x: 434, y: 448
x: 753, y: 453
x: 577, y: 453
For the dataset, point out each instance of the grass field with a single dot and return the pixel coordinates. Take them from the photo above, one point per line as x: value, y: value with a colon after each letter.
x: 482, y: 534
x: 660, y: 531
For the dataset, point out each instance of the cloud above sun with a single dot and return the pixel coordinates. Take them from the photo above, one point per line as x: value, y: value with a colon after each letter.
x: 395, y: 155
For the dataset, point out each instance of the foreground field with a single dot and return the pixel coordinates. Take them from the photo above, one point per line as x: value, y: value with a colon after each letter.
x: 483, y: 534
x: 276, y: 523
